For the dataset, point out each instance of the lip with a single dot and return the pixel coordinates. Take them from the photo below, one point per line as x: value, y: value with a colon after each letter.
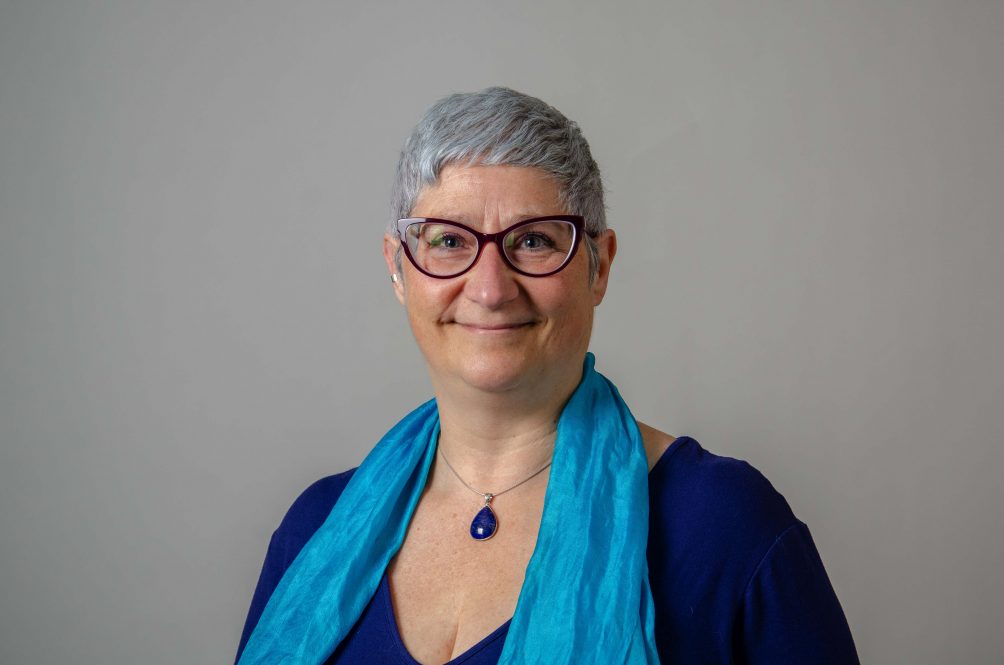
x: 494, y: 328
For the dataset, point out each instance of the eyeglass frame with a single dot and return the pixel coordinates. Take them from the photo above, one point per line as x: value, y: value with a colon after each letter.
x: 578, y: 223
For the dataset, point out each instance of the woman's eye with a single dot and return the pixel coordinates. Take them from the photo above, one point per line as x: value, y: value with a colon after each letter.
x: 534, y: 241
x: 447, y: 241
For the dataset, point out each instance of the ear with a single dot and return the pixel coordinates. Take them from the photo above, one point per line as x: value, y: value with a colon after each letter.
x: 391, y: 246
x: 606, y: 249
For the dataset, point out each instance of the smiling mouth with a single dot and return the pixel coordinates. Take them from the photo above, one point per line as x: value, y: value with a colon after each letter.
x: 494, y: 327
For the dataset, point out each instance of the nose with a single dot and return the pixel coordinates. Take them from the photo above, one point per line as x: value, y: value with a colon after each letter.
x: 490, y: 282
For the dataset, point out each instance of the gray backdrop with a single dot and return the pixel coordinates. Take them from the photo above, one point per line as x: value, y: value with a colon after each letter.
x: 197, y: 322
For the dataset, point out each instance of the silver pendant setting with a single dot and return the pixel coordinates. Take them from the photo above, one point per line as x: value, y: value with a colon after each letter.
x: 485, y: 523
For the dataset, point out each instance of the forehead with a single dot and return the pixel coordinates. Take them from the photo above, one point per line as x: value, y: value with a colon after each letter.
x: 473, y: 194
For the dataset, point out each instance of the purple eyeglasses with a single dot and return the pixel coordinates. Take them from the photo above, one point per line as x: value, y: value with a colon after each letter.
x: 535, y: 247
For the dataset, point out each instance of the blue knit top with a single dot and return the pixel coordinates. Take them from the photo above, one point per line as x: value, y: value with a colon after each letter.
x: 735, y: 576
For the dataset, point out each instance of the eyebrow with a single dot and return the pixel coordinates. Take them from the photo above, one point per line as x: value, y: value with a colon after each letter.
x: 455, y: 216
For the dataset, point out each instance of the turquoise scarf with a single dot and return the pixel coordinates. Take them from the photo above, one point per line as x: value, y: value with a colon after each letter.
x: 585, y: 597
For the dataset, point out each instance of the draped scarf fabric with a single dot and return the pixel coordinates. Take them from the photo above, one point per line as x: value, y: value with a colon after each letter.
x: 585, y: 597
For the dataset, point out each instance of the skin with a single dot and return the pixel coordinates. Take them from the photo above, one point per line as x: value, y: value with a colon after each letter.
x: 504, y: 353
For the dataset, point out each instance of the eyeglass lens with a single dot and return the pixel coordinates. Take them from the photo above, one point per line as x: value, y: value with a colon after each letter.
x: 537, y: 248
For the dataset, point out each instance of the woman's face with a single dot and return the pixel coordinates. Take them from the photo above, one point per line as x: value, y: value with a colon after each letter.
x: 491, y: 328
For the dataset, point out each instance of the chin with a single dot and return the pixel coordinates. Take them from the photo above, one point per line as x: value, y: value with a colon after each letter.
x: 496, y: 374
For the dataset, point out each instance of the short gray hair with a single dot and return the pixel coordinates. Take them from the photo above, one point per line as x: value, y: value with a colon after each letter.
x: 500, y: 126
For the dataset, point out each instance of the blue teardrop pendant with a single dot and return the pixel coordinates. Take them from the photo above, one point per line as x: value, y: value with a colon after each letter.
x: 485, y: 523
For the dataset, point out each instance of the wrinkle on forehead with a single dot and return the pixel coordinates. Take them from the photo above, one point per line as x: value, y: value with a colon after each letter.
x: 465, y: 194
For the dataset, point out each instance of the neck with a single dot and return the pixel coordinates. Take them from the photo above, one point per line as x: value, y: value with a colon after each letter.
x: 494, y: 439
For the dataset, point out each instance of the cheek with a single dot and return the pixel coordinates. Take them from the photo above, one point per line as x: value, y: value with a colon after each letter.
x: 581, y: 323
x: 573, y: 318
x: 427, y: 301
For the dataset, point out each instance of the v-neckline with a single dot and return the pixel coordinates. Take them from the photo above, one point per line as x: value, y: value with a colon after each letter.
x: 501, y: 631
x: 384, y: 590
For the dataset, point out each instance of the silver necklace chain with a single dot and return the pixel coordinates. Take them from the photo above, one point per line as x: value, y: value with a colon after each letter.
x: 488, y: 496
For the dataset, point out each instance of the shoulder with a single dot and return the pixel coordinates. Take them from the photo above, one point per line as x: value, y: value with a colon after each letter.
x: 723, y: 496
x: 308, y: 512
x: 712, y: 521
x: 320, y: 495
x: 655, y: 442
x: 304, y: 517
x: 734, y: 574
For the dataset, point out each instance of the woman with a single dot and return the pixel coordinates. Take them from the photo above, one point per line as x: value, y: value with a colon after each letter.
x: 524, y: 515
